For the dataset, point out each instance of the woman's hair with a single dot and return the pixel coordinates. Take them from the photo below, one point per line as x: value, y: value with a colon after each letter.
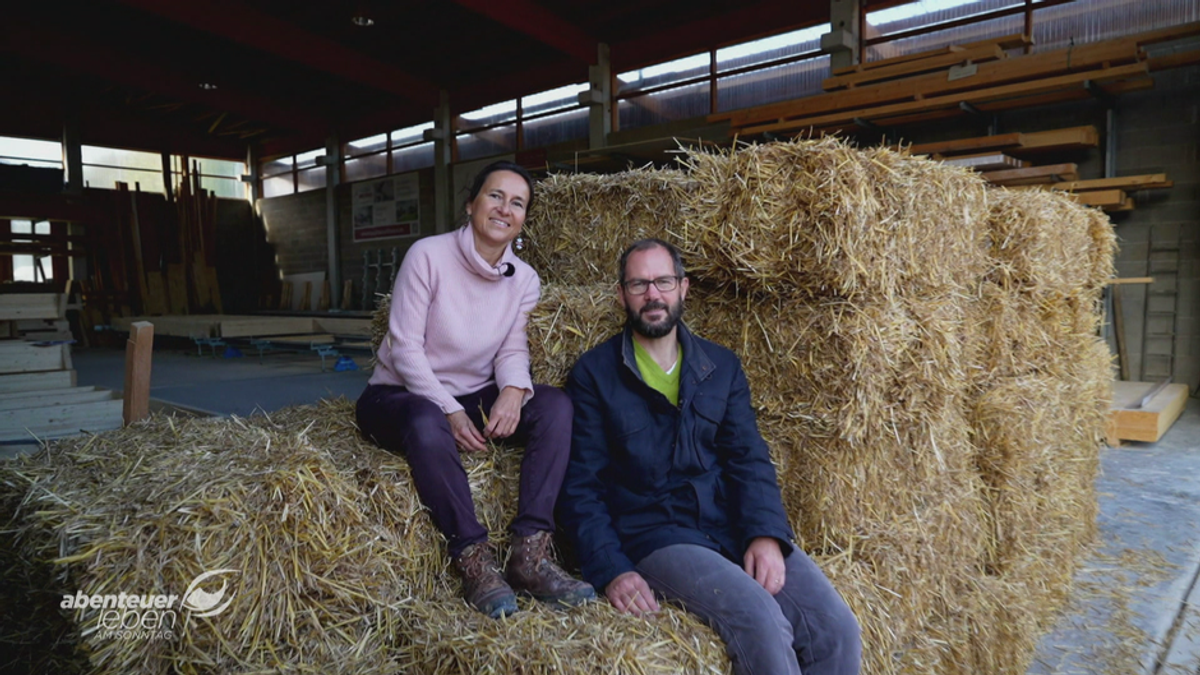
x: 501, y: 165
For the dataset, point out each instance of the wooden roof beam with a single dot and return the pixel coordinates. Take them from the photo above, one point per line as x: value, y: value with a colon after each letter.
x: 529, y: 18
x: 81, y: 54
x: 254, y: 28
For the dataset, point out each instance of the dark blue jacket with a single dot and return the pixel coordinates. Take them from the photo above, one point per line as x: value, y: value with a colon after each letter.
x: 645, y: 474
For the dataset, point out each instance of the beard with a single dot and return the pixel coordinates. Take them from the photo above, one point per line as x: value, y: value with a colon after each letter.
x: 657, y: 329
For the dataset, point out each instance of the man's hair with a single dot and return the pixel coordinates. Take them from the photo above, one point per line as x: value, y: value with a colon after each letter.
x: 647, y: 244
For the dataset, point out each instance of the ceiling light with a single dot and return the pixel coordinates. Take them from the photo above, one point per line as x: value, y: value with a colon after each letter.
x: 362, y: 20
x: 207, y: 86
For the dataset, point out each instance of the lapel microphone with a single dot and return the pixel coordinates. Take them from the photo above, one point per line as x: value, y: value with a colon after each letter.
x: 508, y: 269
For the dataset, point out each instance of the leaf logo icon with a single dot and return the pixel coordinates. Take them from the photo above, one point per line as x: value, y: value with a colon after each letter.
x: 201, y: 602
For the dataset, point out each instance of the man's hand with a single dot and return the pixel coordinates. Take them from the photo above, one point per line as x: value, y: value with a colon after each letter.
x: 630, y: 593
x: 466, y: 436
x: 505, y: 414
x: 764, y: 562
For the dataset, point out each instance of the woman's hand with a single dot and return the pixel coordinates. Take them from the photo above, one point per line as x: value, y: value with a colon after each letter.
x: 466, y: 436
x: 505, y: 414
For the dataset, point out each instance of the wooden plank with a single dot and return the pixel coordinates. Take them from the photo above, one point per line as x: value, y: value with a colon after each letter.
x: 306, y: 300
x: 60, y: 420
x: 1006, y: 42
x: 1152, y: 421
x: 1062, y: 139
x: 1128, y: 205
x: 1008, y: 91
x: 1131, y: 280
x: 15, y: 306
x: 986, y: 161
x: 1168, y: 34
x: 27, y: 382
x: 1020, y: 70
x: 194, y: 325
x: 265, y: 325
x: 214, y: 288
x: 156, y: 293
x: 285, y: 296
x: 1033, y: 174
x: 1142, y: 182
x: 177, y: 289
x: 301, y: 339
x: 323, y: 302
x: 895, y: 60
x: 979, y: 144
x: 347, y: 294
x: 19, y: 356
x: 342, y: 326
x: 138, y: 351
x: 51, y: 397
x: 1099, y: 197
x: 915, y: 67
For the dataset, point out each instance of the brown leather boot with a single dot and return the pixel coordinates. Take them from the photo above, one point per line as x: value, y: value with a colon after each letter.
x: 483, y: 586
x: 531, y: 570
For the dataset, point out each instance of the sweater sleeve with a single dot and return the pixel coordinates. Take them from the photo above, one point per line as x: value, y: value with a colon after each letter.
x: 411, y: 298
x: 512, y: 359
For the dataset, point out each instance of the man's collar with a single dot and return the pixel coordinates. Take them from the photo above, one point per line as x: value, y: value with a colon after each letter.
x: 694, y: 356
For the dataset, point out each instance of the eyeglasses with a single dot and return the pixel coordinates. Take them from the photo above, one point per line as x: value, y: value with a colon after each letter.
x: 640, y: 286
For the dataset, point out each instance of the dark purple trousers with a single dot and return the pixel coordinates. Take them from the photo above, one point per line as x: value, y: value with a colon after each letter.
x: 413, y: 426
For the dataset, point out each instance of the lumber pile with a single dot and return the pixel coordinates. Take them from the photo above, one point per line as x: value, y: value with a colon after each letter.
x: 1004, y: 161
x: 948, y: 82
x: 38, y: 396
x: 919, y: 382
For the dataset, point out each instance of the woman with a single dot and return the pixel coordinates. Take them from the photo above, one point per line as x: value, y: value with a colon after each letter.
x: 456, y: 347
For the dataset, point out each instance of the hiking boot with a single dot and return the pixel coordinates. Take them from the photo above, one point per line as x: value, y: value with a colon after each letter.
x: 483, y: 586
x: 531, y: 570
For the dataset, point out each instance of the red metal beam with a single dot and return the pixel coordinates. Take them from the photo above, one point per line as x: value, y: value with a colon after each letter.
x: 248, y: 26
x: 740, y: 25
x: 80, y: 54
x: 527, y: 17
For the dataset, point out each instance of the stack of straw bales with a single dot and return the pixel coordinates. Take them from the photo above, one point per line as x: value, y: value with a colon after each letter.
x: 897, y: 320
x: 921, y: 356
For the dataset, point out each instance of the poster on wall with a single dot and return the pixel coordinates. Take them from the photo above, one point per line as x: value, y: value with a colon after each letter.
x: 386, y: 208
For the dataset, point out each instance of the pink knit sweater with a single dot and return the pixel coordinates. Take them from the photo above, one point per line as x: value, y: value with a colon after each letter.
x: 457, y: 324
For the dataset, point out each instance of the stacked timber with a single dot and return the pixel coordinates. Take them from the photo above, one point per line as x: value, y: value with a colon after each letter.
x: 982, y: 76
x: 1004, y: 161
x: 856, y: 307
x: 38, y: 396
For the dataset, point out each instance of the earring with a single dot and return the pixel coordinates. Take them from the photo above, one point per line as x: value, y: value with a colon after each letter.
x: 519, y: 244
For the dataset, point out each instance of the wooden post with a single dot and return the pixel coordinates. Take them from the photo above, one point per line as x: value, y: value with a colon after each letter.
x: 137, y: 371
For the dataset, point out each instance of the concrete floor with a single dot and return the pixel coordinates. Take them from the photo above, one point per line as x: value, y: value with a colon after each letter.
x: 1135, y: 608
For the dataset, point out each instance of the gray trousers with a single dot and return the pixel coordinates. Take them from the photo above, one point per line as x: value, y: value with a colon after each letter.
x: 805, y: 628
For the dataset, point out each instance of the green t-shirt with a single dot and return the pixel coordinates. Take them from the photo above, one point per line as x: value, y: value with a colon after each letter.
x: 658, y: 379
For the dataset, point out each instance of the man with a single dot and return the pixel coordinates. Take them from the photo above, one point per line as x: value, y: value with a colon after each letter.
x: 670, y: 488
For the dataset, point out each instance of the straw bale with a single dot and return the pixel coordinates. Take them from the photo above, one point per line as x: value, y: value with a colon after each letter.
x: 339, y: 569
x: 583, y: 222
x: 568, y: 321
x: 1014, y: 332
x: 1045, y: 242
x: 820, y: 218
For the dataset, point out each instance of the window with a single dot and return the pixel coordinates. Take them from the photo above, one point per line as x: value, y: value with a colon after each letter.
x: 222, y: 177
x: 105, y: 167
x: 30, y: 151
x: 30, y: 267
